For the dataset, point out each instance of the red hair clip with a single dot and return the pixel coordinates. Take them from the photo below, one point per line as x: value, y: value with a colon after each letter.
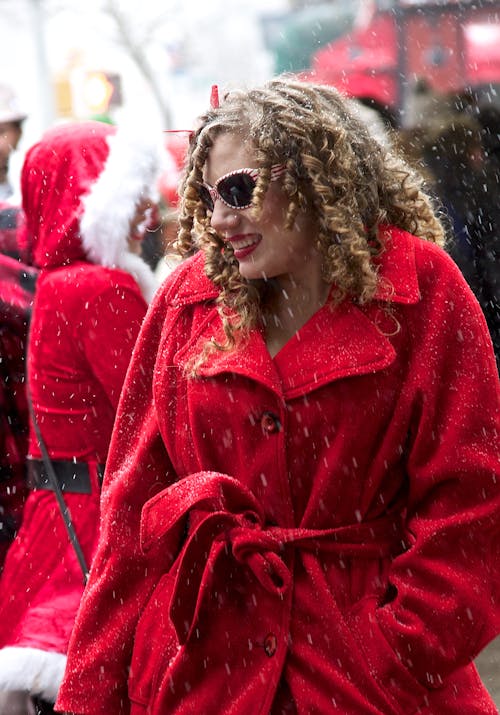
x: 214, y: 97
x: 214, y: 104
x: 189, y: 132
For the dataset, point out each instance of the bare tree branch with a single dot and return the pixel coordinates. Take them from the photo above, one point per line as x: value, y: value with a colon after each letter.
x: 134, y: 46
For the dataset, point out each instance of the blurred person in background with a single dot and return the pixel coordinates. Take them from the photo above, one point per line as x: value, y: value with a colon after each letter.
x: 11, y: 129
x: 451, y: 149
x: 306, y: 452
x: 488, y: 118
x: 17, y: 285
x: 87, y: 190
x: 160, y: 236
x: 458, y: 157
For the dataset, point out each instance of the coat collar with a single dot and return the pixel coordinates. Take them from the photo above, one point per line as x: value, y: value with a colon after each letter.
x: 398, y: 280
x: 324, y: 349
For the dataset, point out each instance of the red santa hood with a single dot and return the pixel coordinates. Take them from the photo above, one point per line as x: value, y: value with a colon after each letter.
x: 81, y: 183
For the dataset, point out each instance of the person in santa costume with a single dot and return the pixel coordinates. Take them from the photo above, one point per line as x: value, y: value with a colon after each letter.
x: 301, y: 507
x: 87, y: 189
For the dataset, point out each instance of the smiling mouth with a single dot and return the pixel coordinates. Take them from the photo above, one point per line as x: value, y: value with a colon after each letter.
x: 244, y: 245
x: 240, y: 242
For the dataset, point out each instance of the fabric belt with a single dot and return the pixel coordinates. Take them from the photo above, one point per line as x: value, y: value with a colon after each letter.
x: 73, y: 477
x: 236, y: 524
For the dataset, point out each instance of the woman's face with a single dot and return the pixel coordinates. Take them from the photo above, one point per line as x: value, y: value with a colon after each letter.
x: 263, y: 248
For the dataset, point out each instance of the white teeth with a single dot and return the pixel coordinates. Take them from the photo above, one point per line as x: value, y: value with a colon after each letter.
x: 237, y: 245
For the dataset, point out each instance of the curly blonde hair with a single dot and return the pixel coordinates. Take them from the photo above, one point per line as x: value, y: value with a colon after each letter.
x: 334, y: 168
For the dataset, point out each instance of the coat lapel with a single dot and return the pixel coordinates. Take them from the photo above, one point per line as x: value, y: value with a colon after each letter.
x: 337, y: 342
x: 343, y: 341
x: 251, y: 360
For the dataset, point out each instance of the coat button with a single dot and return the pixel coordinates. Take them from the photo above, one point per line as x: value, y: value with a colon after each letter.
x: 270, y: 423
x: 270, y: 644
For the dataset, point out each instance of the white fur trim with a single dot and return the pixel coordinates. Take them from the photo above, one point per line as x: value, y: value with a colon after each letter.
x: 130, y: 173
x: 38, y: 672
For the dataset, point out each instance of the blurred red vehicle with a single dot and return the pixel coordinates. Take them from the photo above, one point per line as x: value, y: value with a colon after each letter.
x: 450, y: 46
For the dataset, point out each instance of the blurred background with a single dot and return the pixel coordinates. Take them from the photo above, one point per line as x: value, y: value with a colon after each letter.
x: 104, y: 58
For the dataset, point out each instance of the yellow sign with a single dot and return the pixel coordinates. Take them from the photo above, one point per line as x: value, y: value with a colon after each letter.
x: 97, y: 91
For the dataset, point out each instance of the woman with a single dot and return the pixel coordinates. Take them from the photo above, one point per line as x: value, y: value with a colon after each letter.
x: 301, y: 506
x: 86, y: 189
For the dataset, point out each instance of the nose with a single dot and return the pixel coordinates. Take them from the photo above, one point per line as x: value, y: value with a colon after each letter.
x: 224, y: 218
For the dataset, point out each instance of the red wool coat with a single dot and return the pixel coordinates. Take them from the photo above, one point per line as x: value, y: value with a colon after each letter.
x: 321, y: 527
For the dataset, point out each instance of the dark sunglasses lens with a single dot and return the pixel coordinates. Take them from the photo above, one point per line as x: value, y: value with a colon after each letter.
x: 237, y: 190
x: 205, y: 197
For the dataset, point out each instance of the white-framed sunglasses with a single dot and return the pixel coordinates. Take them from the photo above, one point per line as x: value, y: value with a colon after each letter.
x: 236, y: 188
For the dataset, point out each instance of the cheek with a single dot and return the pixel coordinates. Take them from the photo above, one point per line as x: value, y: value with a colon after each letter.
x: 271, y: 221
x: 9, y: 140
x: 275, y: 205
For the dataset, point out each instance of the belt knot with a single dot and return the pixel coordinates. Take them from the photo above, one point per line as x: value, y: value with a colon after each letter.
x: 231, y: 520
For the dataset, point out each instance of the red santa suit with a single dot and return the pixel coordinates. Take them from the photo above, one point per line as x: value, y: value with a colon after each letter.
x: 81, y: 185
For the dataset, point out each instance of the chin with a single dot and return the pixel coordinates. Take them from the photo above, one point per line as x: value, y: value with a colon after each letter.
x: 250, y: 272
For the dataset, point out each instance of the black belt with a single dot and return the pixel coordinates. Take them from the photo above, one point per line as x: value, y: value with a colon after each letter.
x: 73, y: 477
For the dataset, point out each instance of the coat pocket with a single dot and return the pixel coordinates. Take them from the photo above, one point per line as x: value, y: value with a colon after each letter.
x: 388, y: 671
x: 155, y: 643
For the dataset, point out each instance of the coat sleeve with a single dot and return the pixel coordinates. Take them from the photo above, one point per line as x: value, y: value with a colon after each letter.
x: 443, y: 604
x: 122, y: 577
